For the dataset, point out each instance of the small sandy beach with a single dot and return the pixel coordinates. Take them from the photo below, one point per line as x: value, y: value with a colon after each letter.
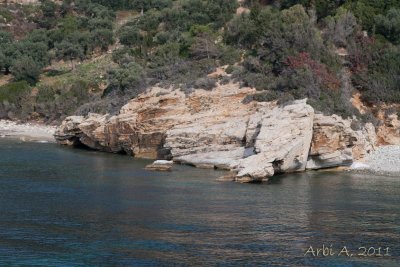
x: 26, y: 131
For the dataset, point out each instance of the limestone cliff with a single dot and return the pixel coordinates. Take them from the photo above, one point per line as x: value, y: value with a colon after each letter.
x: 217, y: 129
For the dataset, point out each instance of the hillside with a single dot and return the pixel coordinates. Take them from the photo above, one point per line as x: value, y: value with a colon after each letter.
x: 79, y: 56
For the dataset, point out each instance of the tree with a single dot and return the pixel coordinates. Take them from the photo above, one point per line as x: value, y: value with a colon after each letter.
x: 389, y: 25
x: 68, y: 25
x: 38, y: 36
x: 327, y: 7
x: 127, y: 80
x: 2, y: 61
x: 48, y: 9
x: 366, y: 10
x: 376, y: 71
x: 204, y: 47
x: 340, y: 27
x: 99, y: 11
x: 5, y: 38
x: 5, y: 41
x: 165, y: 55
x: 101, y: 38
x: 55, y: 36
x: 26, y: 69
x: 242, y: 30
x: 97, y: 23
x: 129, y: 36
x: 214, y: 12
x: 69, y: 51
x: 37, y: 51
x: 9, y: 54
x: 135, y: 4
x: 81, y: 38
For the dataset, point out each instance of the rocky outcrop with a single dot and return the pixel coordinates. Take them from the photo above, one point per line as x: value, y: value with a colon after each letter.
x: 160, y: 165
x: 388, y: 128
x: 69, y: 132
x: 217, y: 129
x: 335, y: 143
x: 164, y: 124
x: 389, y: 132
x: 212, y: 134
x: 76, y: 130
x: 251, y: 144
x: 282, y: 144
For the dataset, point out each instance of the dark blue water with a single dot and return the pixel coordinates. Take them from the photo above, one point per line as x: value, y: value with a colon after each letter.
x: 65, y: 207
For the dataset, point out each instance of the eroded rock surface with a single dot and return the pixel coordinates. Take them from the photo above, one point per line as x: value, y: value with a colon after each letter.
x: 332, y: 142
x: 164, y: 124
x: 282, y: 144
x: 389, y: 132
x: 335, y: 143
x: 69, y: 131
x: 217, y: 129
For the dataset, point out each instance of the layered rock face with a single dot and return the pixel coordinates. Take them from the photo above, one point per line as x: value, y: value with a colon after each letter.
x: 335, y: 143
x: 164, y: 124
x: 217, y: 129
x: 282, y: 143
x: 389, y: 132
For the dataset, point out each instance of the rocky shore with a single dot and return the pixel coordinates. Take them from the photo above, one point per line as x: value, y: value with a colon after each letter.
x: 223, y: 129
x: 27, y: 131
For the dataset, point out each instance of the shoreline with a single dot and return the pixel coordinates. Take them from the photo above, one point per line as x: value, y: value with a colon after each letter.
x: 29, y: 132
x: 385, y: 160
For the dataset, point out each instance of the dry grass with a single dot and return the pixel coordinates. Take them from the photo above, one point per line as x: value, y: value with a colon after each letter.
x: 124, y: 16
x: 4, y: 79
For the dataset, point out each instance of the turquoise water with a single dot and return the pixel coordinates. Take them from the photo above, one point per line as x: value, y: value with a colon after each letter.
x: 65, y: 207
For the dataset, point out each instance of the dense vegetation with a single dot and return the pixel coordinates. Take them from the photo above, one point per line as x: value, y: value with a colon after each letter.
x: 286, y: 49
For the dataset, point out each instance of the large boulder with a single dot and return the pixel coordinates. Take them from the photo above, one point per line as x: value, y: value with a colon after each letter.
x: 160, y: 165
x: 282, y: 144
x: 336, y: 144
x: 69, y: 131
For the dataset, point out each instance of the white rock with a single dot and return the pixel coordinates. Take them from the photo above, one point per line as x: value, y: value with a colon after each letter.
x: 283, y: 142
x: 359, y: 166
x: 163, y: 162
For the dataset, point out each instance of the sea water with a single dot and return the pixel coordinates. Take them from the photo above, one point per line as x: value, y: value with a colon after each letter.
x: 67, y: 207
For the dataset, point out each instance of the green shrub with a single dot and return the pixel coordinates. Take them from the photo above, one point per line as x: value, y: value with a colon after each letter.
x: 127, y: 80
x: 5, y: 14
x: 206, y: 83
x: 26, y: 69
x: 15, y: 100
x: 389, y: 25
x: 101, y: 38
x: 60, y: 99
x: 380, y: 81
x: 264, y: 96
x: 11, y: 92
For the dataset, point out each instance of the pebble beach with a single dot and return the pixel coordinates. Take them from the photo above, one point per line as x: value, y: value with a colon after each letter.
x: 27, y: 131
x: 383, y: 161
